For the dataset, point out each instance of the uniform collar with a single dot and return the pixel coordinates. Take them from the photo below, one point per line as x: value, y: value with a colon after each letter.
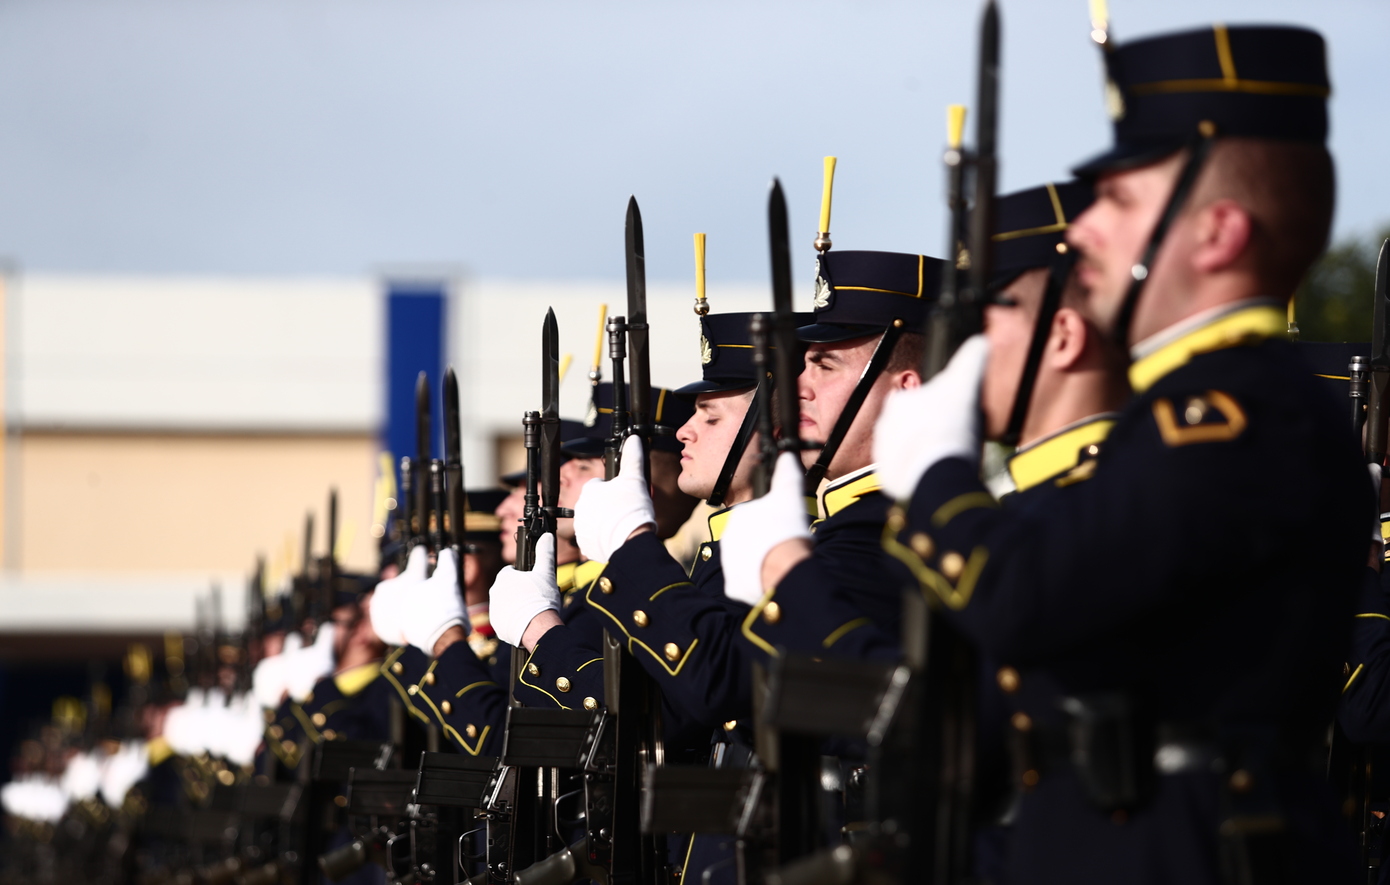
x: 844, y: 491
x: 353, y: 680
x: 1243, y: 323
x: 1058, y: 452
x: 718, y: 521
x: 573, y: 575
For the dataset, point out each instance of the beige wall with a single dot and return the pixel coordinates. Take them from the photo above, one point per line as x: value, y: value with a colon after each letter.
x: 151, y: 502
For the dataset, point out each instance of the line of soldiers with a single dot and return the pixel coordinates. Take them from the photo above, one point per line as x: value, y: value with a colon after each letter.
x: 784, y: 624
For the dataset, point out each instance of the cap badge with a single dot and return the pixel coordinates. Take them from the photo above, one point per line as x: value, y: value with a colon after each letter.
x: 1114, y: 101
x: 706, y: 353
x: 821, y: 299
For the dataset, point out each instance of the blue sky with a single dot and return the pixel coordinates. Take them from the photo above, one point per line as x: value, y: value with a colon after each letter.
x: 339, y: 136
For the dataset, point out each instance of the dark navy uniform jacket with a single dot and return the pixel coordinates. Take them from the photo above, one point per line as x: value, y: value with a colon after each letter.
x: 1208, y: 569
x: 844, y: 587
x: 1364, y: 713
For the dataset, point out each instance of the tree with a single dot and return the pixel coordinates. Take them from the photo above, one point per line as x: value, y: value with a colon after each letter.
x: 1334, y: 302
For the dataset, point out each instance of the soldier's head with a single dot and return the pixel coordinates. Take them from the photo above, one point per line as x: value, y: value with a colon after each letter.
x: 354, y: 640
x: 513, y: 506
x: 721, y: 419
x: 858, y: 297
x: 509, y: 513
x: 1079, y: 372
x: 669, y: 410
x: 1260, y: 208
x: 480, y: 543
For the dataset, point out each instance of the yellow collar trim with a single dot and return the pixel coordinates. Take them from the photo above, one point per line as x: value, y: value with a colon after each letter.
x: 717, y: 522
x: 1236, y: 328
x: 158, y: 750
x: 564, y: 576
x: 1058, y: 453
x: 586, y: 572
x: 350, y: 682
x: 845, y: 491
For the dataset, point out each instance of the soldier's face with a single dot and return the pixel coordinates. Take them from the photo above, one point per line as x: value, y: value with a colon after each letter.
x: 509, y: 511
x: 1009, y: 328
x: 573, y: 474
x: 831, y: 373
x: 1112, y: 235
x: 706, y: 439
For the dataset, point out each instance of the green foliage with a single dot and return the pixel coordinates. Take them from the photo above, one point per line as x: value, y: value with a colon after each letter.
x: 1334, y: 302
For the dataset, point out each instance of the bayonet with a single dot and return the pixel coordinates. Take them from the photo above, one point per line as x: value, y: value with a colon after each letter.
x: 640, y: 380
x: 421, y: 517
x: 455, y: 500
x: 1379, y: 409
x: 328, y: 581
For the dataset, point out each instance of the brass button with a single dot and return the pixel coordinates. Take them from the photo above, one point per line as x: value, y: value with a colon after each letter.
x: 429, y: 678
x: 1030, y: 778
x: 640, y: 618
x: 1093, y: 450
x: 318, y: 719
x: 896, y: 518
x: 605, y: 585
x: 340, y: 801
x: 731, y: 725
x: 329, y: 734
x: 706, y: 553
x: 446, y: 707
x: 590, y: 704
x: 1061, y: 248
x: 772, y: 612
x: 562, y: 684
x: 471, y: 730
x: 1241, y: 781
x: 1207, y: 128
x: 1196, y: 410
x: 533, y: 669
x: 414, y: 689
x: 290, y: 747
x: 1008, y: 680
x: 672, y: 651
x: 952, y: 564
x: 226, y: 778
x: 922, y: 545
x: 275, y: 731
x: 1021, y: 721
x: 398, y: 668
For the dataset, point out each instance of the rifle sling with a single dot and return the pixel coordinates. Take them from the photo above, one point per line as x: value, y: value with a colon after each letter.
x: 1057, y: 275
x: 745, y: 433
x: 1199, y: 149
x: 883, y: 352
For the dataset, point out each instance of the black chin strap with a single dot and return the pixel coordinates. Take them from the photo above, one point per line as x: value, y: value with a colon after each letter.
x: 745, y: 433
x: 1198, y: 151
x: 1059, y: 271
x: 877, y: 363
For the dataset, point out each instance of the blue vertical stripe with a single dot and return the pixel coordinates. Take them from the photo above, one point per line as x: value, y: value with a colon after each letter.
x: 415, y: 329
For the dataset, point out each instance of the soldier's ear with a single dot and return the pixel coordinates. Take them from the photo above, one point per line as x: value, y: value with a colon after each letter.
x: 1220, y: 235
x: 1070, y: 339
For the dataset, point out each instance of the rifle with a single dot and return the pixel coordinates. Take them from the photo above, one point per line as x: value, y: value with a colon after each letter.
x: 420, y: 528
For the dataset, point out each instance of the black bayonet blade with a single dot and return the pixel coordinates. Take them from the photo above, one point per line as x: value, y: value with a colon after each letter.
x: 784, y: 321
x: 1380, y: 335
x: 422, y: 459
x: 986, y: 162
x: 640, y: 373
x: 453, y: 459
x: 550, y: 411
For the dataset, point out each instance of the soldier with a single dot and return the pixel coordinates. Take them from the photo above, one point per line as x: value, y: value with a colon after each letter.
x: 1188, y: 604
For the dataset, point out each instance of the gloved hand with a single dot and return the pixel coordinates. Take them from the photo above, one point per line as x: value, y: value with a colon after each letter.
x: 939, y: 420
x: 756, y: 527
x: 432, y: 607
x: 311, y: 663
x: 517, y: 597
x: 391, y: 597
x: 607, y: 512
x: 82, y: 777
x: 268, y: 679
x: 124, y: 769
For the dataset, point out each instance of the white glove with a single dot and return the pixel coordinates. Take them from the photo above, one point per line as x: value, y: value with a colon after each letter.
x: 517, y: 597
x: 939, y: 420
x: 81, y: 778
x: 123, y: 769
x: 244, y: 727
x: 756, y: 527
x: 433, y: 606
x: 181, y: 726
x: 310, y: 664
x: 268, y: 681
x: 391, y: 596
x: 607, y: 512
